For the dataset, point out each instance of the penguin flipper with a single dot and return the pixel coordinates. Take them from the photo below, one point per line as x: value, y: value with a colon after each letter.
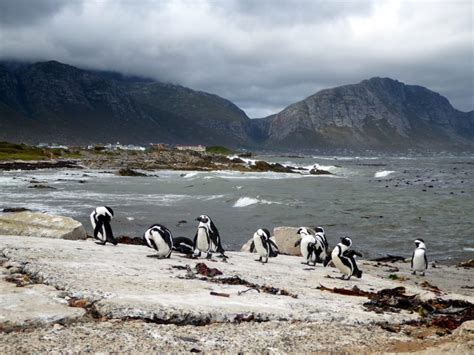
x: 412, y: 257
x: 252, y: 247
x: 298, y: 243
x: 274, y: 251
x: 426, y: 261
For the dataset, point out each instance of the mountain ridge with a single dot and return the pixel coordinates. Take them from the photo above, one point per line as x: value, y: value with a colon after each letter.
x: 56, y: 102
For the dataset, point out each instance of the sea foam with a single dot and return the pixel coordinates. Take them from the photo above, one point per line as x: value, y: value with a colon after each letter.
x: 384, y: 173
x: 248, y: 201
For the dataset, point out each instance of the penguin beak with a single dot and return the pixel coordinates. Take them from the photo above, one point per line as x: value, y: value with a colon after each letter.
x: 198, y: 219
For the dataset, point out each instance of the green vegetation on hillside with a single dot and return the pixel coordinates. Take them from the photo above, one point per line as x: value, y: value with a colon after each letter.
x: 13, y: 151
x: 217, y: 149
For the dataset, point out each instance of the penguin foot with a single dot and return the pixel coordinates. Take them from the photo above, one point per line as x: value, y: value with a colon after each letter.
x: 422, y: 274
x: 413, y: 272
x: 209, y: 256
x: 100, y: 243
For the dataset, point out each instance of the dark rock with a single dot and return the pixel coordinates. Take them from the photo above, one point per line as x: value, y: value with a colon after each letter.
x: 319, y: 172
x: 16, y: 209
x: 129, y: 172
x: 40, y: 186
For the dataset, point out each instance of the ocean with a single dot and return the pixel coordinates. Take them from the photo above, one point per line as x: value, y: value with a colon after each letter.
x: 382, y: 203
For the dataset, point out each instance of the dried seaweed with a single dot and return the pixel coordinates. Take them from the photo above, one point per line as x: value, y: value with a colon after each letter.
x: 390, y: 258
x: 203, y: 269
x: 446, y: 314
x: 236, y: 280
x: 355, y: 291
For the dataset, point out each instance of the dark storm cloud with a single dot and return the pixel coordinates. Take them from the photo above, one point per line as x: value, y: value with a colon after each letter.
x: 261, y: 54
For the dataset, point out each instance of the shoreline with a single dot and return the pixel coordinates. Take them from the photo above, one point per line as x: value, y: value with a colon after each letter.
x: 126, y: 298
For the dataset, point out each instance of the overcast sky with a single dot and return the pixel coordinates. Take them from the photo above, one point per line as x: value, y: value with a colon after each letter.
x: 261, y: 54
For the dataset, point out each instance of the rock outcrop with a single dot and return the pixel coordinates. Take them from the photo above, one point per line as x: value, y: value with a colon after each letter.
x: 286, y: 237
x: 35, y: 224
x: 376, y: 113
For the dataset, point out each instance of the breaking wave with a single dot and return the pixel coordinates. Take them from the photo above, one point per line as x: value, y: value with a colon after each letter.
x: 383, y: 173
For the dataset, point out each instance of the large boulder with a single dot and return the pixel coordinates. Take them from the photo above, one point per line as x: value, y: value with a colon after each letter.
x: 286, y: 237
x: 36, y: 224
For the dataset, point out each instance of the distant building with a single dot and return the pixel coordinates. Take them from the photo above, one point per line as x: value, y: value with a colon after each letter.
x: 196, y: 148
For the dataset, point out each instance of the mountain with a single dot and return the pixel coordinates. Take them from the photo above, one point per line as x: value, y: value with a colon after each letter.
x: 55, y: 102
x: 379, y: 113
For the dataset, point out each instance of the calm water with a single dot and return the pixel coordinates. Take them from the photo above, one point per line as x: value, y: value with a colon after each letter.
x: 382, y: 203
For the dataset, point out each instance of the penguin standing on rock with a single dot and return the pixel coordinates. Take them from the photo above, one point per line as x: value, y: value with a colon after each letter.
x: 264, y: 245
x: 100, y: 220
x: 344, y: 260
x: 307, y: 245
x: 207, y: 238
x: 159, y: 238
x: 419, y: 262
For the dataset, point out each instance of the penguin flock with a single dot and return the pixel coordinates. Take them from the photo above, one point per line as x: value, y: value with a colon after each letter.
x: 314, y: 246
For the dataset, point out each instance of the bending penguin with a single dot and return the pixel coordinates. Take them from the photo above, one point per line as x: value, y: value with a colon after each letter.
x: 159, y: 238
x: 207, y: 238
x: 264, y: 245
x: 307, y: 245
x: 344, y: 260
x: 100, y: 220
x: 183, y: 245
x: 419, y: 262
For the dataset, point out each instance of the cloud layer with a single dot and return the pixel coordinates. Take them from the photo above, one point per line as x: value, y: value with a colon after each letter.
x: 261, y: 54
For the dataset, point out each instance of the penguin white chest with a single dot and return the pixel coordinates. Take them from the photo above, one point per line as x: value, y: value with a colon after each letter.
x: 163, y: 248
x: 202, y: 240
x: 343, y: 268
x: 304, y: 246
x: 419, y: 260
x: 261, y: 250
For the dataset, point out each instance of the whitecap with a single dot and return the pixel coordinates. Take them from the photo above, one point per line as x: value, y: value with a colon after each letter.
x: 248, y: 201
x: 384, y: 173
x: 190, y: 175
x: 245, y: 201
x: 468, y: 249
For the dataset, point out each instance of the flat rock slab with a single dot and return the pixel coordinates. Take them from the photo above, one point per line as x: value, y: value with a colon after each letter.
x: 36, y: 224
x: 33, y: 305
x: 125, y: 282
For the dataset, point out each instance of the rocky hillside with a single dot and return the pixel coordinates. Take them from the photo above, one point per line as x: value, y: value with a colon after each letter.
x: 376, y: 113
x: 54, y: 102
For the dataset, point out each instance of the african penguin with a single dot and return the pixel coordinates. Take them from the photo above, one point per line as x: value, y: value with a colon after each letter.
x: 100, y: 220
x: 207, y: 238
x: 159, y: 238
x: 344, y: 260
x: 264, y: 245
x: 183, y: 245
x: 419, y: 262
x: 307, y: 245
x: 322, y: 246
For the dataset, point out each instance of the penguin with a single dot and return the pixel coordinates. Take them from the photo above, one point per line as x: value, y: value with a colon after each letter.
x: 100, y: 220
x: 322, y: 246
x: 307, y: 245
x: 344, y: 260
x: 419, y: 262
x: 159, y: 238
x: 207, y: 238
x: 264, y: 245
x: 183, y: 245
